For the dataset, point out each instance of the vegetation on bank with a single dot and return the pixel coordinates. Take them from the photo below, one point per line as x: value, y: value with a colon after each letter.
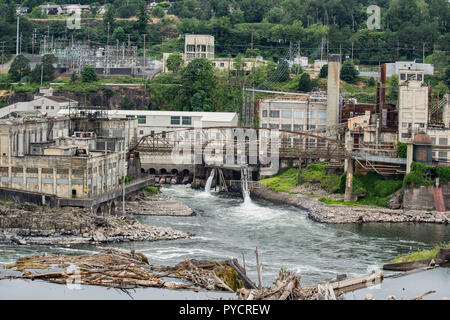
x: 423, y: 175
x: 371, y: 189
x: 421, y: 254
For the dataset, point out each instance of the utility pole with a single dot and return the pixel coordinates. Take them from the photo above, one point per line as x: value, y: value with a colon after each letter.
x: 3, y: 54
x: 17, y: 37
x: 398, y: 49
x: 352, y: 50
x: 33, y: 41
x: 423, y: 53
x: 143, y: 71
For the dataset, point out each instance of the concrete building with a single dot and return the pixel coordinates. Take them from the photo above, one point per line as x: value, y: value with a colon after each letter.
x: 58, y: 158
x: 395, y: 68
x: 303, y: 114
x: 48, y: 105
x: 412, y: 104
x: 228, y: 63
x: 150, y: 122
x: 198, y: 46
x: 52, y: 9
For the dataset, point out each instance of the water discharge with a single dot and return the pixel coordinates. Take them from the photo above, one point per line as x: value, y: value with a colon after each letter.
x: 209, y: 182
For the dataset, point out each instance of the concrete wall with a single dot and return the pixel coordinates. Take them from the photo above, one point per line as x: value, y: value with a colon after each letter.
x: 423, y: 198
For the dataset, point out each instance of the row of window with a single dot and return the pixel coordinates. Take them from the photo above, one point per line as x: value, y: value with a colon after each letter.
x: 47, y: 107
x: 409, y: 124
x: 175, y: 120
x: 411, y: 76
x: 287, y: 114
x: 297, y: 127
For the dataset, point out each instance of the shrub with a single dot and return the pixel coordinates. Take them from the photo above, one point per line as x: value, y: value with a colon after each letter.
x: 401, y: 149
x: 443, y: 173
x: 418, y: 176
x: 150, y: 189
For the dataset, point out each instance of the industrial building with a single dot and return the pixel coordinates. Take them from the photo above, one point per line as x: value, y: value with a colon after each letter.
x: 48, y: 105
x: 79, y: 161
x: 151, y: 122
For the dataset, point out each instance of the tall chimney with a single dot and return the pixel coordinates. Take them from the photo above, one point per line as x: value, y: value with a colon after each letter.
x: 383, y: 86
x: 334, y: 69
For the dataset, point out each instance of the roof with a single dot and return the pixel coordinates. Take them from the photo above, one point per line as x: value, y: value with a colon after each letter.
x: 206, y: 116
x: 59, y: 99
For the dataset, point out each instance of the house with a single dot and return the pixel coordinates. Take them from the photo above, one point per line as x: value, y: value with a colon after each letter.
x: 47, y: 105
x: 52, y: 9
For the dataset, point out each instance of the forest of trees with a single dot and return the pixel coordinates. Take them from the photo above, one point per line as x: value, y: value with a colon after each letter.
x: 407, y: 26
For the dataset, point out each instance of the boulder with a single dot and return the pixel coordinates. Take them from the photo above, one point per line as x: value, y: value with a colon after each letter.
x: 396, y: 201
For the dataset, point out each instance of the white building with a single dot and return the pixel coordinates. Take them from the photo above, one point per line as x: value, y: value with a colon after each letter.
x: 395, y: 68
x: 150, y: 122
x: 48, y: 105
x: 413, y: 104
x: 306, y: 113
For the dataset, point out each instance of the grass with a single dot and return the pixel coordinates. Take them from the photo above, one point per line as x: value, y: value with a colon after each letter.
x: 421, y: 254
x: 284, y: 181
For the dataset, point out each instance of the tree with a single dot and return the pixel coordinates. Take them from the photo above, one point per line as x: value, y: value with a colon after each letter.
x: 73, y: 77
x: 371, y: 82
x: 323, y: 71
x: 281, y: 73
x: 44, y: 71
x: 304, y: 84
x: 108, y: 18
x: 37, y: 12
x: 175, y: 62
x: 20, y: 68
x: 142, y: 15
x: 198, y: 81
x: 127, y: 103
x: 349, y: 72
x: 158, y: 12
x: 88, y: 74
x: 119, y: 34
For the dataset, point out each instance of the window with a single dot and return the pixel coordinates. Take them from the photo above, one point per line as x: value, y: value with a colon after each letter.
x: 406, y: 135
x: 420, y: 125
x: 402, y: 76
x: 433, y: 140
x: 142, y: 119
x: 299, y: 114
x: 214, y: 64
x: 442, y: 155
x: 312, y: 114
x: 404, y: 124
x: 264, y: 113
x: 175, y: 120
x: 286, y: 127
x: 312, y: 126
x: 419, y: 76
x: 274, y: 113
x: 264, y: 125
x: 286, y: 114
x: 187, y: 121
x: 190, y: 47
x: 222, y: 64
x: 298, y: 127
x: 274, y: 126
x: 443, y: 141
x: 322, y: 114
x: 141, y: 132
x: 37, y: 107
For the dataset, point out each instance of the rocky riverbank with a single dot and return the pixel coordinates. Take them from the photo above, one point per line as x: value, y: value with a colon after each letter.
x: 339, y: 214
x: 30, y: 224
x: 144, y: 203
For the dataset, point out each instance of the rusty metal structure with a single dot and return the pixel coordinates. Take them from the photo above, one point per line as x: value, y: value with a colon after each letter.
x: 245, y: 142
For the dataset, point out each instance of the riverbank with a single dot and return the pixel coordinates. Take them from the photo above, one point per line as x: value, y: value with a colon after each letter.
x: 340, y: 214
x: 156, y: 204
x: 29, y: 224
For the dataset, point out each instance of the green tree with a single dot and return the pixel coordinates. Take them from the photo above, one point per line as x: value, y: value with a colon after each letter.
x: 108, y: 18
x: 44, y: 70
x: 281, y: 73
x: 349, y: 72
x: 88, y: 74
x: 20, y: 67
x: 158, y: 12
x: 142, y: 15
x: 198, y: 81
x: 323, y: 72
x: 175, y: 62
x: 119, y: 34
x: 37, y: 12
x: 73, y: 77
x: 304, y: 84
x: 127, y: 104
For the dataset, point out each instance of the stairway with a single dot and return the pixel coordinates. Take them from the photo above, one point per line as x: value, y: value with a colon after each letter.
x: 439, y: 200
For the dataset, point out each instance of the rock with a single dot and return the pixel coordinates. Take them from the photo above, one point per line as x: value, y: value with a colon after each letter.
x: 396, y: 201
x: 392, y: 298
x: 18, y: 241
x: 369, y: 297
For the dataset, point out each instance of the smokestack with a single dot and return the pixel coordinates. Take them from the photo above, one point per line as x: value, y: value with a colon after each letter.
x: 334, y: 69
x: 383, y: 85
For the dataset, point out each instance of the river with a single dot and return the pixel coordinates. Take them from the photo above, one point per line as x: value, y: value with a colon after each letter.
x: 226, y: 227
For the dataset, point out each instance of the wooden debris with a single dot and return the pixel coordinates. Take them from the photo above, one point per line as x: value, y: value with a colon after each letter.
x: 423, y: 295
x: 7, y: 251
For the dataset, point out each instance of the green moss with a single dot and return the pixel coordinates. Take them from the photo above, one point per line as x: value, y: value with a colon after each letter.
x: 229, y: 276
x: 421, y: 254
x: 151, y: 190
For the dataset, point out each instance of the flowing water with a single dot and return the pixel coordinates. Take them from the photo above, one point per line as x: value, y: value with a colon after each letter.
x: 227, y: 227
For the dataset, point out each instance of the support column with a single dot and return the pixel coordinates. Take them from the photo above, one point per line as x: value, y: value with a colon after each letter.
x: 349, y: 184
x: 299, y: 178
x: 409, y: 157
